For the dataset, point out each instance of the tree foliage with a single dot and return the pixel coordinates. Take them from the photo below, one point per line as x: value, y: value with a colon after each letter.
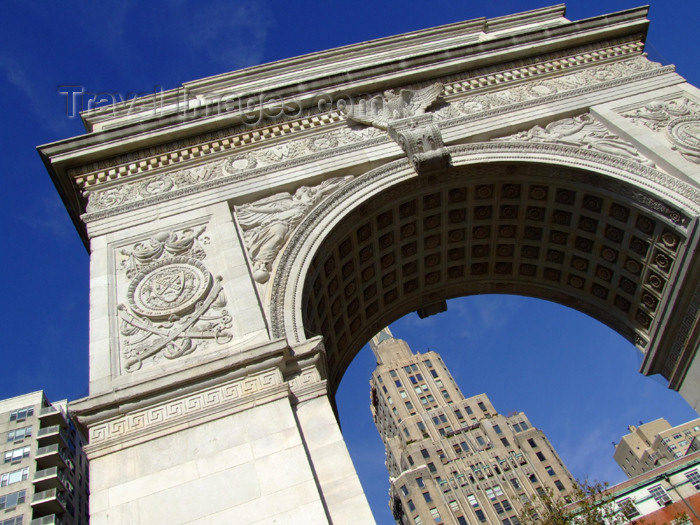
x: 593, y: 505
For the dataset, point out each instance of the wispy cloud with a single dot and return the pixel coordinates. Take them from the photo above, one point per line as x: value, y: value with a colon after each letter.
x: 33, y: 96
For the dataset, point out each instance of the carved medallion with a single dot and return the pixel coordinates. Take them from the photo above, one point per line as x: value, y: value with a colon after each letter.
x: 685, y: 131
x: 174, y: 305
x: 169, y: 287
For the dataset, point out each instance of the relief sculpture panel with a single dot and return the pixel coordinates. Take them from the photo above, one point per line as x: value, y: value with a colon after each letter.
x: 678, y: 120
x: 173, y: 305
x: 268, y: 223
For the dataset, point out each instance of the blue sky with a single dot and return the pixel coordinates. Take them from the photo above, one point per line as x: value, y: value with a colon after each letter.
x: 575, y: 378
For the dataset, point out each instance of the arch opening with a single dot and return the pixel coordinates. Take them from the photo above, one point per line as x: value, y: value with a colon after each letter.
x: 595, y: 243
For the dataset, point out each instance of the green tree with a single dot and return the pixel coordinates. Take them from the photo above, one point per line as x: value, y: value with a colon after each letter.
x: 592, y: 506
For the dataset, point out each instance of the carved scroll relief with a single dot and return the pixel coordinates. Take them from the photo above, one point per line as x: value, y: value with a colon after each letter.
x: 174, y: 305
x: 268, y: 223
x: 678, y: 120
x: 582, y: 131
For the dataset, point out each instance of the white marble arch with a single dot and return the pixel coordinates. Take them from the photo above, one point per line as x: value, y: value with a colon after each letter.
x: 668, y: 343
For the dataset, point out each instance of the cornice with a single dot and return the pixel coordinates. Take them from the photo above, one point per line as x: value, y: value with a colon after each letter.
x: 114, y: 198
x: 364, y: 68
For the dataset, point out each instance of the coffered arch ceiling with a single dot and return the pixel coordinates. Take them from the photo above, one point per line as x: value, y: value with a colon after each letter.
x: 560, y: 226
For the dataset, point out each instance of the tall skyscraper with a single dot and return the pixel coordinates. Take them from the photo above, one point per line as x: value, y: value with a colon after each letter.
x: 44, y: 479
x: 453, y: 459
x: 654, y: 444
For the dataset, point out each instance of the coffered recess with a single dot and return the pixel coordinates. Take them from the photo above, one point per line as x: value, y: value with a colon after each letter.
x: 551, y: 232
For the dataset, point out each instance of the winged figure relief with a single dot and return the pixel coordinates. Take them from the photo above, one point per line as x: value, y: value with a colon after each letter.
x: 268, y: 222
x: 380, y: 110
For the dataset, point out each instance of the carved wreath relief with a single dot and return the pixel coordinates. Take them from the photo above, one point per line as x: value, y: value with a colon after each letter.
x: 268, y: 223
x: 679, y: 119
x: 174, y: 304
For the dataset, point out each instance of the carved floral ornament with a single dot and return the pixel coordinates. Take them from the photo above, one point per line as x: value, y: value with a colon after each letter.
x: 678, y: 119
x: 129, y: 195
x: 174, y: 304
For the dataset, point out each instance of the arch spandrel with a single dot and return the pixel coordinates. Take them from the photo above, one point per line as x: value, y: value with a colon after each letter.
x: 605, y: 235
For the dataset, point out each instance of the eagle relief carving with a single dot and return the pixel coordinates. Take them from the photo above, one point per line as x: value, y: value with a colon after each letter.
x: 268, y: 223
x: 402, y: 114
x: 380, y: 110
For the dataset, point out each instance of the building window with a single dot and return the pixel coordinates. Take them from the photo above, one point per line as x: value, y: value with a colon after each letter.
x: 17, y: 454
x: 694, y: 477
x: 523, y: 425
x: 497, y: 429
x: 404, y: 490
x: 12, y: 500
x: 418, y: 520
x: 490, y: 495
x: 628, y: 508
x: 389, y: 400
x: 409, y: 405
x: 21, y: 414
x: 418, y: 390
x: 677, y: 436
x: 472, y: 500
x: 18, y: 434
x: 458, y: 413
x: 431, y: 467
x: 445, y: 394
x: 549, y: 470
x: 464, y: 445
x: 423, y: 401
x: 14, y: 477
x: 454, y: 506
x: 420, y: 482
x: 421, y: 426
x: 516, y: 427
x: 480, y: 440
x: 436, y: 515
x: 532, y: 443
x: 403, y: 394
x: 434, y: 373
x: 482, y: 406
x: 497, y: 490
x: 498, y: 507
x: 397, y: 383
x: 659, y: 494
x: 559, y: 485
x: 425, y: 453
x: 505, y: 521
x: 515, y: 483
x: 392, y: 373
x: 411, y: 505
x: 410, y: 460
x: 533, y: 478
x: 427, y: 497
x: 461, y: 520
x: 540, y: 456
x: 12, y: 521
x: 480, y: 515
x: 506, y: 505
x: 505, y: 442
